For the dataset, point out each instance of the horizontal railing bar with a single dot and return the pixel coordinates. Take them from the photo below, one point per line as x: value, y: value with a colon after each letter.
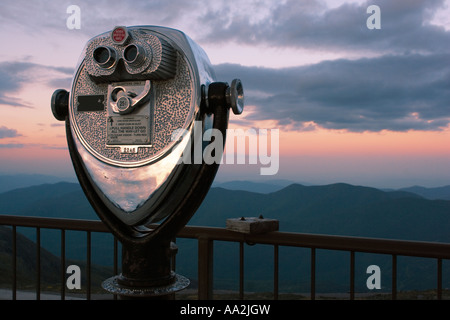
x: 54, y: 223
x: 331, y: 242
x: 320, y: 241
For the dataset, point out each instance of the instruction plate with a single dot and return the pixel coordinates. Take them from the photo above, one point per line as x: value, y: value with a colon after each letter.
x: 128, y: 130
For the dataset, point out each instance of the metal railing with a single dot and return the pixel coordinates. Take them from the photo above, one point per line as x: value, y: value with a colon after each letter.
x: 206, y: 236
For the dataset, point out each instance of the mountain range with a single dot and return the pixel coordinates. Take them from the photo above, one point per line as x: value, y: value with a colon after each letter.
x: 442, y: 193
x: 14, y: 181
x: 338, y: 209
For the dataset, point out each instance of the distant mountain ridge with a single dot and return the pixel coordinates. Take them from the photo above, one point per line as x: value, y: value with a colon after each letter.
x: 62, y: 199
x: 333, y: 209
x: 442, y: 193
x: 10, y: 182
x: 14, y: 181
x: 253, y: 186
x: 432, y: 193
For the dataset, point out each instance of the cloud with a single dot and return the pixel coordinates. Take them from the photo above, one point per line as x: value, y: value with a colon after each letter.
x: 56, y: 147
x: 399, y: 93
x: 405, y: 27
x: 8, y: 133
x: 50, y: 17
x: 15, y: 74
x: 406, y: 86
x: 11, y: 146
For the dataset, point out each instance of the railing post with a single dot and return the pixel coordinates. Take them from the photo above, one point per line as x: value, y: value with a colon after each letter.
x: 313, y: 273
x: 63, y: 264
x: 241, y: 271
x: 394, y: 277
x: 14, y: 262
x: 38, y: 263
x: 275, y: 272
x: 205, y: 269
x: 439, y: 279
x: 88, y: 265
x: 115, y: 262
x: 352, y: 275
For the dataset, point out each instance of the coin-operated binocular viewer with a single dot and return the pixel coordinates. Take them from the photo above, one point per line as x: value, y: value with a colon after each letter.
x: 140, y: 97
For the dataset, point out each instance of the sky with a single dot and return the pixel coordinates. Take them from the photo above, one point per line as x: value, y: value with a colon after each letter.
x: 366, y: 106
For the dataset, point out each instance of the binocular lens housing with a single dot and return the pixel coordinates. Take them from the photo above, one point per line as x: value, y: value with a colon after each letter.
x: 134, y: 54
x: 105, y: 57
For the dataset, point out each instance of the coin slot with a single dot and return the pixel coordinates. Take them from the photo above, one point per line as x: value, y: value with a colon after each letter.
x: 115, y: 93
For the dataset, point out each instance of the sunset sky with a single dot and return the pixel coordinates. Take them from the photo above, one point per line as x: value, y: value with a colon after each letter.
x: 352, y: 104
